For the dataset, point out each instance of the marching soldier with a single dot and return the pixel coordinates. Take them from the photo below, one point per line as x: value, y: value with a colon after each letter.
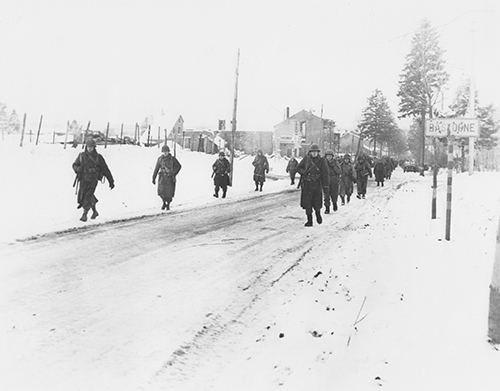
x: 334, y: 172
x: 90, y: 167
x: 261, y: 169
x: 347, y: 178
x: 380, y: 171
x: 221, y: 169
x: 363, y: 171
x: 314, y: 177
x: 291, y: 169
x: 167, y: 166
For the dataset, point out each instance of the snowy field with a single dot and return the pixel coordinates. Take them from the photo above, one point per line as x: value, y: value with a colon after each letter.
x: 239, y: 295
x: 39, y: 196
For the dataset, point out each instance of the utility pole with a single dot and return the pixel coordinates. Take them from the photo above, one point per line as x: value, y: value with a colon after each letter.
x: 321, y: 137
x: 233, y: 122
x: 107, y: 133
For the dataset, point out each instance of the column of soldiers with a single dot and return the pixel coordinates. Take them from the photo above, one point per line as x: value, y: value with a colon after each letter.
x: 332, y: 178
x: 322, y: 179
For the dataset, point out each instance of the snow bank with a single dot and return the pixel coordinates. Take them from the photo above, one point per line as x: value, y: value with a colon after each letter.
x: 38, y: 197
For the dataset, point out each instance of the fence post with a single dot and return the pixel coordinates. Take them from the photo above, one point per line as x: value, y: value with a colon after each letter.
x: 66, y: 137
x: 449, y: 187
x: 494, y: 314
x: 39, y: 128
x: 22, y: 132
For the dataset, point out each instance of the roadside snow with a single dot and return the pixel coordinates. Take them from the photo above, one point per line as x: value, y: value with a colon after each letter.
x: 390, y: 305
x: 38, y: 196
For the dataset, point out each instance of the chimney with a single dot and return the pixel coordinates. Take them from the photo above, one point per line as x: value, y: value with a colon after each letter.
x: 287, y: 112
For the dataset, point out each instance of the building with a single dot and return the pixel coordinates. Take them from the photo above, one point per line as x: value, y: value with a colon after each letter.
x: 295, y: 134
x: 249, y: 141
x: 349, y: 142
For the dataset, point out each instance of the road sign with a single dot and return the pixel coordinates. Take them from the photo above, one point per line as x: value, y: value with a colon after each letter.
x: 458, y: 127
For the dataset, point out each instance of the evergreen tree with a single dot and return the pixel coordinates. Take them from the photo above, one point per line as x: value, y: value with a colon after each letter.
x: 422, y: 79
x: 378, y: 123
x: 4, y: 121
x: 488, y: 125
x: 13, y: 124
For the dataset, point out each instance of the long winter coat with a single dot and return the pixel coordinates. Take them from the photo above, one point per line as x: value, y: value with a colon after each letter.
x: 291, y: 167
x: 90, y: 167
x: 261, y: 168
x: 347, y: 178
x: 167, y: 167
x: 221, y: 169
x: 380, y: 171
x: 314, y: 178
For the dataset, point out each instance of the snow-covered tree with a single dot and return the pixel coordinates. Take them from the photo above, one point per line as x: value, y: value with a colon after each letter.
x: 422, y: 79
x: 14, y: 123
x: 488, y: 125
x: 378, y: 123
x: 4, y: 120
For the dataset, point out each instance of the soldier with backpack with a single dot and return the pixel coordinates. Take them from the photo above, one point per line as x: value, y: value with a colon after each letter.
x: 221, y: 170
x: 334, y: 171
x: 313, y: 179
x: 90, y: 167
x: 167, y: 167
x: 291, y: 169
x: 261, y: 169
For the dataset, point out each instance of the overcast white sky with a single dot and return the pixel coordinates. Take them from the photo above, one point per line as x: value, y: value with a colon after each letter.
x: 119, y: 61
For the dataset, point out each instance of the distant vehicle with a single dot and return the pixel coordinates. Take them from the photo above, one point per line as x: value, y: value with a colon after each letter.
x: 411, y: 168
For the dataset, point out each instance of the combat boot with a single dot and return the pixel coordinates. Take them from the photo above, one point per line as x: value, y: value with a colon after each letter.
x: 319, y: 219
x: 84, y: 215
x: 335, y: 207
x: 256, y: 186
x: 94, y: 214
x: 309, y: 221
x: 168, y: 206
x: 348, y: 198
x: 343, y: 200
x: 164, y: 206
x: 327, y: 210
x: 261, y: 187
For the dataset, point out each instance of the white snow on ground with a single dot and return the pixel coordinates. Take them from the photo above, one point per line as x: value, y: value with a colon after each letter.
x: 423, y: 323
x: 374, y: 298
x: 38, y: 196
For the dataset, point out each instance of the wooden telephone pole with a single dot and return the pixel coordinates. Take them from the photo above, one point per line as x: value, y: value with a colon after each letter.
x: 233, y: 122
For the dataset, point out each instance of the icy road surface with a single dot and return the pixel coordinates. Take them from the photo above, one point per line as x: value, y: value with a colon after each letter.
x: 237, y: 296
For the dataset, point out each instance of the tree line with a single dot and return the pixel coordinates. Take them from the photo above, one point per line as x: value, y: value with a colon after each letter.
x: 421, y: 87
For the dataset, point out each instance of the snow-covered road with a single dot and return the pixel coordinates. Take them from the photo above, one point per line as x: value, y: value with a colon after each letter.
x: 234, y: 296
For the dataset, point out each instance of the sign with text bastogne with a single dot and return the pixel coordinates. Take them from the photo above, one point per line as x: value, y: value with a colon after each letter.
x: 458, y: 127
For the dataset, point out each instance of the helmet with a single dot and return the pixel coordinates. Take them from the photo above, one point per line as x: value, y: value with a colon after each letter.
x: 165, y: 148
x: 314, y: 148
x: 329, y: 152
x: 222, y: 153
x: 90, y: 142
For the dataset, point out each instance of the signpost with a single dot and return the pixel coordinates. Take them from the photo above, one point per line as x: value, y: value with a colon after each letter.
x: 450, y: 128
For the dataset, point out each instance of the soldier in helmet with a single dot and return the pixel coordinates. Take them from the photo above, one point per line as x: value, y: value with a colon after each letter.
x: 291, y: 169
x: 221, y: 170
x: 380, y: 171
x: 90, y: 167
x: 314, y: 178
x: 334, y: 172
x: 167, y: 166
x: 363, y: 171
x: 347, y: 178
x: 261, y: 169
